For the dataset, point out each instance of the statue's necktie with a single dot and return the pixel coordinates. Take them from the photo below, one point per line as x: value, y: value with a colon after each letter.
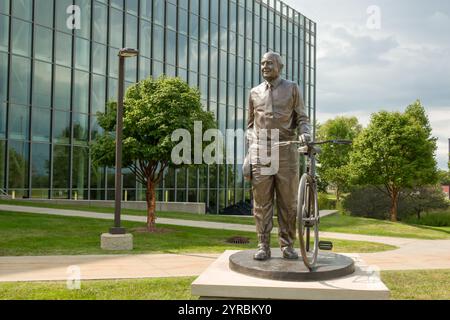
x: 269, y: 101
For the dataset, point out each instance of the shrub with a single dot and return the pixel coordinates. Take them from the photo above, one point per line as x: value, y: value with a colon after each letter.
x: 434, y: 219
x: 367, y: 202
x: 326, y: 203
x: 371, y: 202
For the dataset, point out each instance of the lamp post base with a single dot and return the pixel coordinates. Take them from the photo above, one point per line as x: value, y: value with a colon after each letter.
x: 117, y: 242
x: 117, y: 231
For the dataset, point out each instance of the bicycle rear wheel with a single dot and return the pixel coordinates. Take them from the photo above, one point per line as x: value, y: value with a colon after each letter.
x: 308, y: 221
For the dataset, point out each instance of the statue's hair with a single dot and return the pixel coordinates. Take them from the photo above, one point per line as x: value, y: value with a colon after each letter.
x: 277, y: 56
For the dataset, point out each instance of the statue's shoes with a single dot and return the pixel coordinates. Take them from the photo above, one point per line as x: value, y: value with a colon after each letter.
x: 262, y: 255
x: 290, y: 254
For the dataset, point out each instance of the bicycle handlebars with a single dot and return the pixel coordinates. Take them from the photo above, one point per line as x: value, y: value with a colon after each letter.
x: 341, y: 142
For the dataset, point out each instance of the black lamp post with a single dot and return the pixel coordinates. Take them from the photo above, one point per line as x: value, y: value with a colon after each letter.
x: 123, y: 53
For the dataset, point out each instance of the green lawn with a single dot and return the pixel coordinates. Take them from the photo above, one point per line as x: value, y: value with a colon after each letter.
x: 418, y: 284
x: 30, y: 234
x: 335, y: 223
x: 145, y: 289
x: 404, y: 285
x: 357, y: 225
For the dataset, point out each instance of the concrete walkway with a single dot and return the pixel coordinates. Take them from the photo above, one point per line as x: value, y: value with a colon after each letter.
x: 411, y: 254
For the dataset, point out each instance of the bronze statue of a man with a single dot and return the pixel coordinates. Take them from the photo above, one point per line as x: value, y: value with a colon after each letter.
x: 276, y: 105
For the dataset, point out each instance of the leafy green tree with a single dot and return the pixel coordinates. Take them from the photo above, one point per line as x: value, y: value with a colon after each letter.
x: 153, y: 110
x: 444, y: 177
x: 396, y: 151
x: 422, y: 199
x: 334, y: 159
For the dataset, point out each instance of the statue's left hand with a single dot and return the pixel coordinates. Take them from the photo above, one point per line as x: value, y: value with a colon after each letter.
x: 305, y: 138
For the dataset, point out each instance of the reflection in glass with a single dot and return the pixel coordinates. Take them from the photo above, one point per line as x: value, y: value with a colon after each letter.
x: 63, y: 49
x: 42, y: 84
x: 40, y: 124
x: 61, y: 161
x: 43, y: 12
x: 40, y: 165
x: 80, y: 170
x: 18, y: 165
x: 4, y: 32
x: 80, y: 128
x: 61, y: 127
x: 2, y: 163
x: 18, y: 122
x: 62, y: 85
x: 21, y: 37
x: 100, y: 22
x: 81, y: 92
x: 43, y: 43
x: 98, y: 94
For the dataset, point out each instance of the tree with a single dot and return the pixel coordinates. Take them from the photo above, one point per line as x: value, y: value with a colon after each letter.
x: 422, y: 199
x: 334, y: 159
x: 444, y: 177
x: 396, y: 151
x: 153, y: 110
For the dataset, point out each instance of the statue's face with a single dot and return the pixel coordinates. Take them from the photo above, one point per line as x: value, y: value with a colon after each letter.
x: 270, y: 67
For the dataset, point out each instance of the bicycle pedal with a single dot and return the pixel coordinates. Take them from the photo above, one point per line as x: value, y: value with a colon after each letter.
x: 326, y: 245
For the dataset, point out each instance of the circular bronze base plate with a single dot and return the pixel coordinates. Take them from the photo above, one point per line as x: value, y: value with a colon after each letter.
x: 329, y: 266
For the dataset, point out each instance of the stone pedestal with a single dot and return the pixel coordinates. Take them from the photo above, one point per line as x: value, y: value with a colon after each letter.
x: 121, y: 242
x: 219, y: 282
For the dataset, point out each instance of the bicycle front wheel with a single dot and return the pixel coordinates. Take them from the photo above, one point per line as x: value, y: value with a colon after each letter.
x: 308, y: 221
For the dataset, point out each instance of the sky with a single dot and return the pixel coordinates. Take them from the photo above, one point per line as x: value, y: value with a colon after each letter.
x: 383, y: 55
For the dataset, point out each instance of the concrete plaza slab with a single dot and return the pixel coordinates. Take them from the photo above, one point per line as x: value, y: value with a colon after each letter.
x: 219, y: 281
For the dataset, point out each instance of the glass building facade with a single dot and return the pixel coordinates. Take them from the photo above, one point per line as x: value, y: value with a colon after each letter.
x: 54, y: 79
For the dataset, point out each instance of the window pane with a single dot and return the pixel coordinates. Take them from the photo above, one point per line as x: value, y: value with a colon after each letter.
x: 18, y: 122
x: 18, y: 165
x: 171, y: 47
x: 99, y: 58
x: 22, y: 9
x: 80, y: 128
x: 62, y: 88
x: 100, y: 21
x: 42, y: 84
x: 4, y: 6
x: 3, y: 76
x: 158, y: 43
x: 182, y: 51
x: 146, y: 37
x: 43, y: 43
x: 61, y: 127
x: 146, y: 9
x: 43, y: 13
x: 82, y: 54
x: 98, y: 94
x: 21, y: 37
x: 4, y: 32
x: 81, y: 92
x: 116, y: 28
x: 20, y: 80
x: 131, y: 38
x: 2, y: 163
x: 158, y: 11
x: 40, y: 165
x: 63, y: 49
x: 61, y: 14
x: 2, y: 121
x: 80, y: 170
x: 61, y: 157
x: 40, y: 124
x: 85, y: 18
